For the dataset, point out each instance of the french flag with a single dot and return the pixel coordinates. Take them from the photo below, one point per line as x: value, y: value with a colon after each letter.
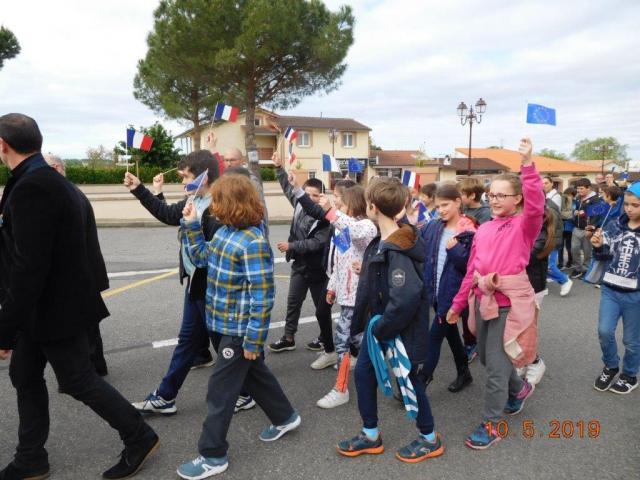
x: 225, y: 112
x: 329, y: 163
x: 292, y: 155
x: 411, y: 179
x: 290, y: 134
x: 138, y: 140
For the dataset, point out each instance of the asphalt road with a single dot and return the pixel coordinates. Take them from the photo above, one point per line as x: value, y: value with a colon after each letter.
x: 81, y: 445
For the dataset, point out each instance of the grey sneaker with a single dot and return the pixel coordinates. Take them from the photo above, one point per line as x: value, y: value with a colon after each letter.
x: 273, y: 432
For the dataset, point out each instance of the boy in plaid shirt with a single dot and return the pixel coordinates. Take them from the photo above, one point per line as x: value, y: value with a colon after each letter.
x: 240, y: 296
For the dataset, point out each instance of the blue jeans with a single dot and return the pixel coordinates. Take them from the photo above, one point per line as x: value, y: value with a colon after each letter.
x: 613, y: 305
x: 366, y: 384
x: 192, y: 338
x: 554, y: 272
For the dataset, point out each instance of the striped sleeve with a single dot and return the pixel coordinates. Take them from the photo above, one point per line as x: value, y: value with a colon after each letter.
x: 258, y: 266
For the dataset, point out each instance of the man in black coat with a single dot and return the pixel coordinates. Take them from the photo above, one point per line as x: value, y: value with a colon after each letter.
x: 50, y: 299
x: 98, y: 268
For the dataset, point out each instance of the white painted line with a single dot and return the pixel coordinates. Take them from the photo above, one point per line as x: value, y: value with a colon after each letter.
x: 135, y: 273
x: 174, y: 341
x: 139, y: 272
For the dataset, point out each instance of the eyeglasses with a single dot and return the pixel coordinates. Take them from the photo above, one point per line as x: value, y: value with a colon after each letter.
x: 500, y: 196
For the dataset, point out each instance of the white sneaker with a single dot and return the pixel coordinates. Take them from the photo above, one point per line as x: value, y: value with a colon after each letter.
x: 535, y: 371
x: 333, y: 399
x: 566, y: 288
x: 522, y: 371
x: 325, y: 360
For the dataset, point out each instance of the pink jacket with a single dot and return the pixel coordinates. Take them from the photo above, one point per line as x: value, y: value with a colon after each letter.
x: 343, y: 281
x: 521, y: 329
x: 504, y: 244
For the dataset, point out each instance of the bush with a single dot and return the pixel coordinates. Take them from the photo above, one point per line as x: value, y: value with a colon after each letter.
x: 268, y: 174
x: 104, y: 176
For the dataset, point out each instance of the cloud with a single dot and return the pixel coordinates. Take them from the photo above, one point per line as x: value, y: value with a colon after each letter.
x: 411, y: 64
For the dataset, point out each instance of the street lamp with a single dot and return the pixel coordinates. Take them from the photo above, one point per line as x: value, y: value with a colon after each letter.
x: 604, y: 149
x: 469, y: 115
x: 333, y: 135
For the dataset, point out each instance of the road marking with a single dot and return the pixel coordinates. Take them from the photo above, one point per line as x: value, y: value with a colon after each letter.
x: 115, y: 291
x: 170, y: 342
x: 136, y: 273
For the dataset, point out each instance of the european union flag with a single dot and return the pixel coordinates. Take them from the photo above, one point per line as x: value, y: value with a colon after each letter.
x: 595, y: 209
x: 342, y: 240
x: 541, y: 114
x: 354, y: 166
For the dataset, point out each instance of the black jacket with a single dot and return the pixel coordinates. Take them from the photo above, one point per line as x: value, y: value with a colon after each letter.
x: 537, y: 268
x: 48, y: 257
x: 308, y: 237
x: 171, y: 215
x: 391, y: 285
x: 582, y: 222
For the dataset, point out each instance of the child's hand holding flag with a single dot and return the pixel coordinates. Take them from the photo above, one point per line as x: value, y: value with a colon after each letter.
x: 189, y: 212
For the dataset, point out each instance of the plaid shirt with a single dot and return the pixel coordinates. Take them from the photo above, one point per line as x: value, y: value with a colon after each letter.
x: 240, y: 289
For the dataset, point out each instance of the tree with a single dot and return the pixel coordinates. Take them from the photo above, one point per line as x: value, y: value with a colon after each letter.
x: 99, y: 157
x: 372, y: 144
x: 9, y: 46
x: 588, y: 150
x: 279, y: 51
x: 163, y: 152
x: 550, y: 153
x: 178, y: 78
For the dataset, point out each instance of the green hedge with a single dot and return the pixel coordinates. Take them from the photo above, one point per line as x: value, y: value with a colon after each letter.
x: 103, y: 176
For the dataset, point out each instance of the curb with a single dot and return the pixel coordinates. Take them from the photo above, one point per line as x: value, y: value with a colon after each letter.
x: 153, y: 223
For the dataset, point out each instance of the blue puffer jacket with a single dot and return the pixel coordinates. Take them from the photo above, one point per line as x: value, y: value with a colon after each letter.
x: 621, y: 251
x: 455, y: 266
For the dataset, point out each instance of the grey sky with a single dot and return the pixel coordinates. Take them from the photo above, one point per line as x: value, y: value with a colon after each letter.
x: 411, y: 64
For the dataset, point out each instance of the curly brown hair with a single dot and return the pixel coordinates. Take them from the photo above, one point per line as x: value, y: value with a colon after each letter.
x: 235, y: 202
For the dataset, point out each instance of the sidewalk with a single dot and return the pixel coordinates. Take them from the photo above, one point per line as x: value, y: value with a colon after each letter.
x: 114, y: 206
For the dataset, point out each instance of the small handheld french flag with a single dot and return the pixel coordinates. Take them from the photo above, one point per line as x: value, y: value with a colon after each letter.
x: 329, y: 163
x: 411, y: 179
x: 292, y: 155
x: 138, y: 140
x: 225, y: 112
x: 290, y: 134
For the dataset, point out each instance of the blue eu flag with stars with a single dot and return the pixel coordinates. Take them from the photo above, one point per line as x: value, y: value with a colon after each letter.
x: 540, y: 114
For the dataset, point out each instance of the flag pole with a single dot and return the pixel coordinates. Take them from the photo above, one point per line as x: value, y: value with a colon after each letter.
x: 126, y: 154
x: 169, y: 171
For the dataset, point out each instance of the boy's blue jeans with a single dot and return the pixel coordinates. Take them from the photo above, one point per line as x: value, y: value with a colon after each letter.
x: 613, y: 305
x: 193, y: 337
x: 366, y: 385
x: 554, y: 272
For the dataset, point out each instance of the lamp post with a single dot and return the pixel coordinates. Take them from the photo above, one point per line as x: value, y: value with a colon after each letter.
x: 333, y: 135
x: 604, y: 149
x: 469, y: 115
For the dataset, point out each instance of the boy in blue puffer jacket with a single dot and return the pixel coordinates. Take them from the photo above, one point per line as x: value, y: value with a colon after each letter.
x: 448, y: 244
x: 391, y: 286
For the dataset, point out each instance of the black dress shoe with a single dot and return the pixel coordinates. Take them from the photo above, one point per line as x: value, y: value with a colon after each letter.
x: 132, y: 459
x: 11, y: 472
x: 462, y: 380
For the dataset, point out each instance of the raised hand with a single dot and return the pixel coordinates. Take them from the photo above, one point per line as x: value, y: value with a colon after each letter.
x: 131, y: 181
x: 158, y: 183
x: 526, y: 148
x: 325, y: 203
x: 189, y: 212
x: 275, y: 158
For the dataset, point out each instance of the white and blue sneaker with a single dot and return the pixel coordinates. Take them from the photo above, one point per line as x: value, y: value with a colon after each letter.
x: 154, y: 403
x: 273, y: 432
x: 203, y: 467
x: 244, y: 403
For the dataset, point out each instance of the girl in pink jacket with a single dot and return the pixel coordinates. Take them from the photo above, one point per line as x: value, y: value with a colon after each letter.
x: 499, y: 256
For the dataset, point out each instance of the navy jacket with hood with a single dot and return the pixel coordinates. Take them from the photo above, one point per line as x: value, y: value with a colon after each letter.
x: 455, y: 266
x: 622, y: 254
x: 391, y: 285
